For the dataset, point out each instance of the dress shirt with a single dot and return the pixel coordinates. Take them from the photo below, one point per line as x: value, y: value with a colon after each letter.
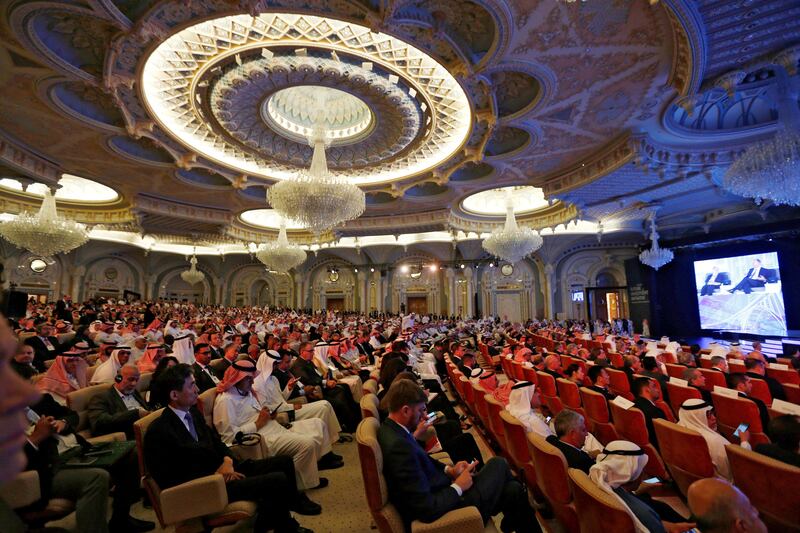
x: 182, y: 417
x: 130, y: 401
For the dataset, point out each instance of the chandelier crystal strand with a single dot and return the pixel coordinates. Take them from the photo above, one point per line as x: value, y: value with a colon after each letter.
x: 192, y: 276
x: 45, y: 233
x: 511, y: 242
x: 771, y: 169
x: 315, y: 198
x: 655, y: 257
x: 279, y: 255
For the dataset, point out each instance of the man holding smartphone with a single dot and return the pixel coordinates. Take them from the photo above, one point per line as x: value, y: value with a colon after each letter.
x: 424, y: 489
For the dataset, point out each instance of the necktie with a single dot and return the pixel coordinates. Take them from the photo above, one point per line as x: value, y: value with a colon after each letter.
x: 190, y: 424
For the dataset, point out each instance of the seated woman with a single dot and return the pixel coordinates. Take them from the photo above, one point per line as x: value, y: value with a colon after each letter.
x: 616, y: 472
x: 67, y: 374
x: 698, y: 415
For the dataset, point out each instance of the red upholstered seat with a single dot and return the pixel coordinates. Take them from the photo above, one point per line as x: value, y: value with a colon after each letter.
x: 495, y: 423
x: 736, y: 366
x: 570, y: 395
x: 598, y: 511
x: 770, y: 485
x: 792, y: 393
x: 630, y: 425
x: 530, y: 375
x: 566, y: 360
x: 616, y: 360
x: 761, y: 391
x: 661, y: 404
x: 684, y: 452
x: 784, y: 376
x: 553, y: 481
x: 518, y: 449
x: 481, y: 409
x: 466, y: 394
x: 549, y: 393
x: 516, y: 368
x: 705, y: 363
x: 679, y: 394
x: 733, y: 411
x: 619, y: 383
x: 597, y: 415
x: 713, y: 378
x: 675, y: 371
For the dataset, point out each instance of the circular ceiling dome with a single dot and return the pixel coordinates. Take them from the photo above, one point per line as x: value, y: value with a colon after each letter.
x: 266, y: 218
x: 290, y: 112
x: 493, y: 202
x: 73, y: 189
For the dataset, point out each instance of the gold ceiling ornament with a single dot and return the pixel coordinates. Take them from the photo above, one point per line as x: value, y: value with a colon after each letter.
x: 181, y: 76
x: 44, y: 233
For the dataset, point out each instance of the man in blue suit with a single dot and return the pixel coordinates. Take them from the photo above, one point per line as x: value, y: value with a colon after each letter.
x: 424, y: 489
x: 755, y: 277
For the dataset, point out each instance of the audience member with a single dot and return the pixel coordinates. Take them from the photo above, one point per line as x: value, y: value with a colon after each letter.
x: 699, y: 416
x: 119, y: 407
x: 757, y: 369
x: 784, y: 434
x: 600, y: 380
x: 719, y: 507
x: 646, y: 392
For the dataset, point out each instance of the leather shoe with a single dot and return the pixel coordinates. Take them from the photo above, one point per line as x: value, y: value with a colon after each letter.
x: 323, y: 482
x: 131, y: 525
x: 329, y: 464
x: 305, y: 506
x: 332, y: 455
x: 301, y: 529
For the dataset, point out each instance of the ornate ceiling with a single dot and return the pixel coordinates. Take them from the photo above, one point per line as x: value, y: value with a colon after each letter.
x: 191, y: 110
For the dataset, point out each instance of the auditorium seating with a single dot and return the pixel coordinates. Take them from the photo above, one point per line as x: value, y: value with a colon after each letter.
x: 789, y: 375
x: 733, y: 411
x: 679, y: 394
x: 553, y: 481
x: 369, y: 406
x: 619, y: 383
x: 792, y: 393
x: 78, y: 401
x: 518, y: 451
x: 384, y: 513
x: 548, y: 392
x: 519, y: 373
x: 598, y: 511
x: 675, y: 371
x: 530, y: 375
x: 661, y: 404
x: 713, y: 378
x: 24, y: 490
x: 598, y: 418
x: 495, y: 423
x: 466, y: 394
x: 178, y: 506
x: 770, y: 485
x: 570, y: 396
x: 685, y: 453
x: 761, y: 391
x: 205, y: 404
x: 370, y: 386
x: 630, y: 425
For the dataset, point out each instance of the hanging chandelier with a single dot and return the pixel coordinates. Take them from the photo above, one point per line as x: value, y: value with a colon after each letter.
x: 315, y: 198
x: 655, y: 257
x: 771, y: 169
x: 45, y: 233
x: 279, y: 255
x: 511, y: 242
x: 192, y: 276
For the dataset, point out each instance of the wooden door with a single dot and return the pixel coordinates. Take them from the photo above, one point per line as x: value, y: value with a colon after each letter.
x: 334, y: 304
x: 417, y: 304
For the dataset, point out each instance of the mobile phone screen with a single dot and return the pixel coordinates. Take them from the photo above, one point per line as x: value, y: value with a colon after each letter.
x: 742, y: 427
x: 652, y: 480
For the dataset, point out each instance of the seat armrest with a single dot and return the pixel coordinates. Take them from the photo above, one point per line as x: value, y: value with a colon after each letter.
x: 21, y: 491
x: 111, y: 437
x: 198, y: 497
x: 464, y: 520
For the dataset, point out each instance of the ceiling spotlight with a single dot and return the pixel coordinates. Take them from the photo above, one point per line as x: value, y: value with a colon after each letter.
x: 462, y: 265
x: 355, y: 270
x: 433, y: 268
x: 491, y: 265
x: 372, y: 269
x: 404, y: 269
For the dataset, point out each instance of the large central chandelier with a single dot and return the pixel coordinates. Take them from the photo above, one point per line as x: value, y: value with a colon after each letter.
x: 44, y: 233
x: 511, y: 242
x: 279, y: 255
x: 192, y: 276
x: 771, y: 169
x: 655, y: 257
x: 315, y: 198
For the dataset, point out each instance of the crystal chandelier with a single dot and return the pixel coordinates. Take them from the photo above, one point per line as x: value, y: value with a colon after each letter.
x: 192, y: 276
x: 315, y: 198
x: 771, y: 169
x: 44, y: 233
x: 279, y: 255
x: 511, y: 242
x: 655, y: 257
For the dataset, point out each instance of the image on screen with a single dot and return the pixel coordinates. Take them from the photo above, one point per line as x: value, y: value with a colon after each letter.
x: 741, y: 293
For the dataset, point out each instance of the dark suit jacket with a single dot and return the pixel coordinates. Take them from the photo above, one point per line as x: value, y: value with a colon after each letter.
x: 650, y: 412
x: 775, y: 387
x: 108, y: 413
x: 605, y: 392
x: 41, y: 353
x: 25, y: 370
x: 417, y: 484
x: 307, y: 372
x: 203, y: 380
x: 763, y: 413
x: 575, y: 458
x: 776, y: 452
x: 216, y: 353
x: 174, y: 457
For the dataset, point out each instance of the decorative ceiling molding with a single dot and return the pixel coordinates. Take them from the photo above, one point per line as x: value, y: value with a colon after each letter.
x: 18, y: 156
x: 690, y: 47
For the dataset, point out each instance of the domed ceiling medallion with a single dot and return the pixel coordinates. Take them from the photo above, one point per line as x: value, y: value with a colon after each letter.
x: 232, y: 90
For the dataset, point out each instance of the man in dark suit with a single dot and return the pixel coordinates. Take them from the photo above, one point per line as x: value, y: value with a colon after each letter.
x: 203, y: 374
x: 600, y: 380
x: 696, y: 379
x: 744, y: 385
x: 347, y: 410
x: 22, y: 363
x: 215, y: 345
x: 570, y: 437
x: 180, y: 447
x: 424, y: 489
x: 647, y: 391
x: 755, y: 277
x: 784, y: 432
x: 757, y: 369
x: 651, y: 369
x: 552, y: 366
x: 714, y: 280
x: 44, y: 344
x: 119, y: 407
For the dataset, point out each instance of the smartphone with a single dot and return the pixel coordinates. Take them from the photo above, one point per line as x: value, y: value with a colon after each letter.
x: 548, y: 419
x: 434, y: 416
x: 652, y: 480
x: 742, y: 427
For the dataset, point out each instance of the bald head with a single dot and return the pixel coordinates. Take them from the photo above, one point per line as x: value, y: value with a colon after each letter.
x: 718, y: 506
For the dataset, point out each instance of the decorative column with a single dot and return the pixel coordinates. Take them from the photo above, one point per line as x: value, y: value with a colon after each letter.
x: 450, y: 279
x: 469, y: 310
x: 77, y: 276
x: 363, y: 291
x: 549, y: 290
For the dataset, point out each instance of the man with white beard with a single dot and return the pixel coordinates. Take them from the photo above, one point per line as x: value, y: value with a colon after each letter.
x: 269, y: 393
